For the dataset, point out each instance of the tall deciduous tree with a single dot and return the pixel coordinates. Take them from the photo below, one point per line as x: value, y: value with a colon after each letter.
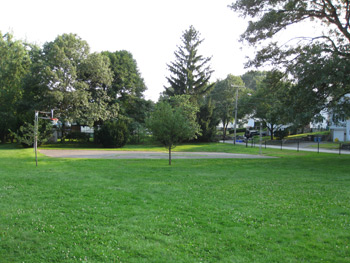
x: 127, y: 82
x: 66, y: 77
x: 253, y: 78
x: 319, y: 63
x: 14, y: 64
x: 269, y: 101
x: 190, y: 72
x: 128, y: 86
x: 224, y: 96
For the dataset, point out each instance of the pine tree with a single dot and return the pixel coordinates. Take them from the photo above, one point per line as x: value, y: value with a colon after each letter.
x: 190, y: 72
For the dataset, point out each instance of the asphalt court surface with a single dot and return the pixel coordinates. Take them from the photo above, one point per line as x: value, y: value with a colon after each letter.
x: 100, y: 154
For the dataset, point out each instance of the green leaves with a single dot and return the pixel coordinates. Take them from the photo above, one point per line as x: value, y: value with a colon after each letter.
x: 172, y: 123
x: 14, y: 64
x: 190, y: 72
x: 315, y: 62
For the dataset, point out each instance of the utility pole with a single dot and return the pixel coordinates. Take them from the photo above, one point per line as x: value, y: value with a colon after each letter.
x: 236, y: 108
x: 235, y: 126
x: 260, y: 137
x: 36, y: 128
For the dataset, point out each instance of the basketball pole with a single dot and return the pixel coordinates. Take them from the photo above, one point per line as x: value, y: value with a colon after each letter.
x: 36, y: 124
x: 36, y: 130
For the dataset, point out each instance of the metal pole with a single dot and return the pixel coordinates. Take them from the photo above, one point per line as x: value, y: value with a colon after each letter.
x: 298, y: 146
x: 260, y: 138
x: 36, y: 123
x: 235, y: 126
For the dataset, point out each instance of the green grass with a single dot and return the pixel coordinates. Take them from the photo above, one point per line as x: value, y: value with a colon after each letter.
x: 294, y: 208
x: 307, y: 134
x: 328, y: 145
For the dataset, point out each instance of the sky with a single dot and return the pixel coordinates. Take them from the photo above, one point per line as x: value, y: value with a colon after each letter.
x: 151, y: 30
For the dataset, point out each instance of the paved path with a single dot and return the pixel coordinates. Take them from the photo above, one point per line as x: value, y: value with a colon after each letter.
x: 100, y: 154
x: 302, y: 147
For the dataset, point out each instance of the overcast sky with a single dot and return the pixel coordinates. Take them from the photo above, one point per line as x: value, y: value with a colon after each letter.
x: 150, y: 30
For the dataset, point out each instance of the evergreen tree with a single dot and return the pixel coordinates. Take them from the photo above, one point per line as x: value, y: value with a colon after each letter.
x: 190, y: 72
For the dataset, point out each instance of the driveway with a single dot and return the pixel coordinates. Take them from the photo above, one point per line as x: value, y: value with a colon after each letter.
x: 98, y: 154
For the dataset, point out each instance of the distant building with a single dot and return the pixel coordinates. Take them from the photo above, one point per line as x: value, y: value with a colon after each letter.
x: 340, y: 126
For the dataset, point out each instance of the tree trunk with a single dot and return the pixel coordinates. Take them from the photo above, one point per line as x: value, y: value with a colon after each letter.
x: 3, y: 138
x: 271, y: 131
x: 169, y: 155
x: 223, y: 131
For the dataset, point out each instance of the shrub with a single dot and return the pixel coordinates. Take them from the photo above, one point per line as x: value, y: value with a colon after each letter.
x: 137, y: 133
x: 113, y: 134
x: 25, y: 134
x: 78, y: 136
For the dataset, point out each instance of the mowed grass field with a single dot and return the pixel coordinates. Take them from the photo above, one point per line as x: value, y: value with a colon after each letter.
x: 295, y: 208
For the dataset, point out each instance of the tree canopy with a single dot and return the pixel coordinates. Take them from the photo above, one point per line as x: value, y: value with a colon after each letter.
x: 14, y: 64
x: 190, y: 72
x: 224, y: 98
x: 82, y: 87
x: 269, y: 102
x: 319, y: 63
x: 173, y: 122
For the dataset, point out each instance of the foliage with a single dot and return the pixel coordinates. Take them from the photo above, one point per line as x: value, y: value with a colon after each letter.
x: 138, y: 133
x: 127, y: 81
x: 253, y: 78
x: 190, y: 72
x: 78, y: 136
x: 268, y: 102
x: 224, y: 97
x: 281, y: 133
x: 319, y: 63
x: 171, y: 125
x: 208, y: 119
x: 113, y: 134
x: 128, y: 85
x: 82, y: 87
x: 25, y: 134
x: 14, y: 64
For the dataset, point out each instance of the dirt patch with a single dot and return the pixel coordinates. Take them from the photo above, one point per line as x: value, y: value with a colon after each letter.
x: 98, y: 154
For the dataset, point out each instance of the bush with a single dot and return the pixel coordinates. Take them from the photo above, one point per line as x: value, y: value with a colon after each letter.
x: 25, y: 134
x: 137, y: 133
x: 78, y: 136
x: 113, y: 134
x: 281, y: 133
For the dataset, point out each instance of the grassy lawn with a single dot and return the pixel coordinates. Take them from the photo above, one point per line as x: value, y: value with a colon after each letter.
x: 295, y: 208
x: 327, y: 145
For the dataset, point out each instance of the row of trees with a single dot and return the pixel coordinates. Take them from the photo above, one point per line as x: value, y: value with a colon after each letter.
x: 82, y: 87
x: 317, y: 64
x: 90, y: 88
x: 309, y: 73
x: 267, y: 96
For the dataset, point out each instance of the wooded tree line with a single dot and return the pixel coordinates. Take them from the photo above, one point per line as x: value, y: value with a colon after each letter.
x: 308, y: 75
x: 82, y: 87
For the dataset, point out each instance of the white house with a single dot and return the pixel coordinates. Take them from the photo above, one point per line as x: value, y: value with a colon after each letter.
x: 340, y: 126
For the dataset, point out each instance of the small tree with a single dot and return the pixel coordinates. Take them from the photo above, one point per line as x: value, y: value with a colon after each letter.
x: 171, y: 126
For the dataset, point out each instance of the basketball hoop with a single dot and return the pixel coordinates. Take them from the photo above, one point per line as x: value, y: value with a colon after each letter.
x: 54, y: 121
